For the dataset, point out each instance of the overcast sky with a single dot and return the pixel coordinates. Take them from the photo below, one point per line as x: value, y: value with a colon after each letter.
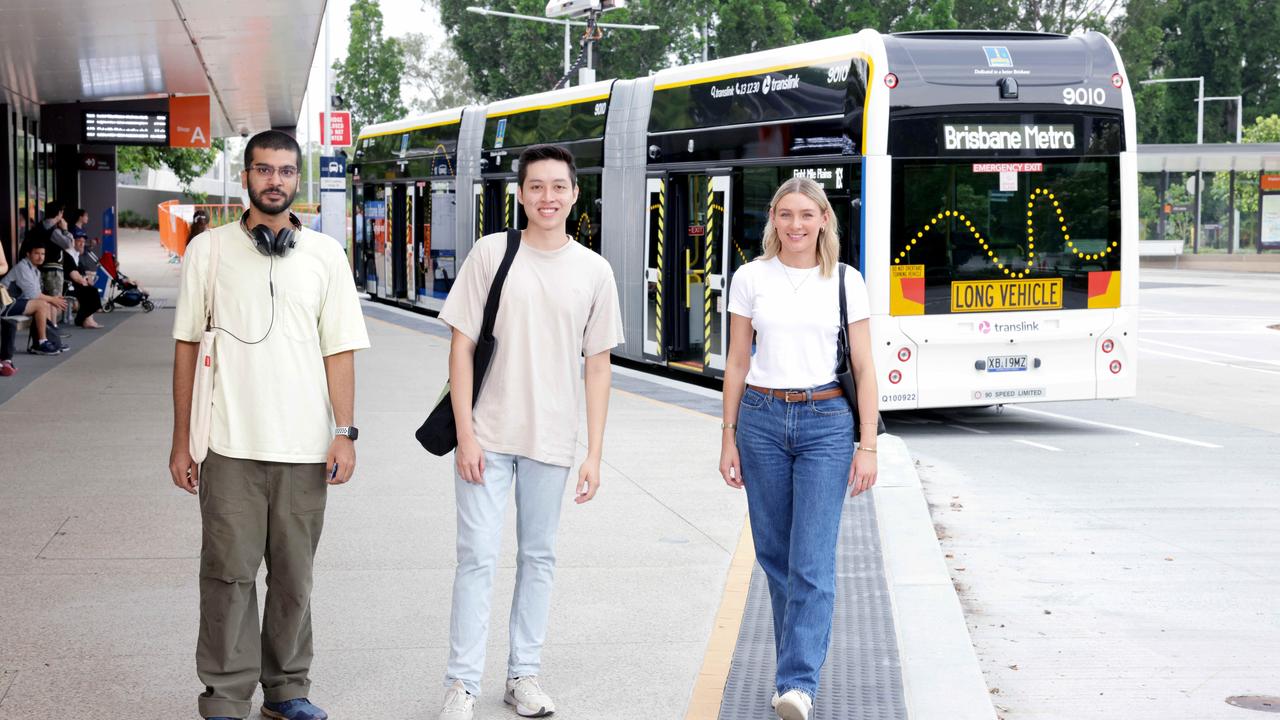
x: 399, y: 17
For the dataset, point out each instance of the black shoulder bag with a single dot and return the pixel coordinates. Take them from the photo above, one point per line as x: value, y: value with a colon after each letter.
x: 844, y: 373
x: 439, y: 432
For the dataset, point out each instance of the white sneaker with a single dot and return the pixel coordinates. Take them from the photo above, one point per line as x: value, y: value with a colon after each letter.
x: 458, y: 703
x: 528, y: 697
x: 794, y: 705
x: 774, y: 702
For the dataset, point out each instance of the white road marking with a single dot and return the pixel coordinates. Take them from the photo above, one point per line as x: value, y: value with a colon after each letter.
x: 1038, y: 445
x: 1109, y: 426
x: 1233, y: 366
x: 1272, y: 333
x: 970, y: 429
x: 1213, y: 352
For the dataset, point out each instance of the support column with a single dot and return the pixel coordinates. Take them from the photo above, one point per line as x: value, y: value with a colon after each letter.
x: 8, y: 190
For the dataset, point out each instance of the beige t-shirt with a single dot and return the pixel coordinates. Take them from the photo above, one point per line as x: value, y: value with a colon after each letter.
x: 555, y: 308
x: 271, y: 399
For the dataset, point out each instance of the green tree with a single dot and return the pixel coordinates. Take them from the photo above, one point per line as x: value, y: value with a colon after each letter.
x: 186, y: 163
x: 436, y: 75
x: 369, y: 77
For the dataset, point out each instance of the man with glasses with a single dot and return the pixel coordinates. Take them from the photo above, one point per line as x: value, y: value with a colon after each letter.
x: 288, y: 322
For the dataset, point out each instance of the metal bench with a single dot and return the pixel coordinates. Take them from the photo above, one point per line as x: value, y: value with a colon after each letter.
x: 1159, y: 248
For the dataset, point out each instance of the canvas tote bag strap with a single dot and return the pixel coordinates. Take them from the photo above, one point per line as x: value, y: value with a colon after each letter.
x: 209, y: 279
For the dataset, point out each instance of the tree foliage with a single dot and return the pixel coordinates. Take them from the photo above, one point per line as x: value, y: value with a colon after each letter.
x: 186, y: 163
x: 368, y: 78
x: 436, y: 76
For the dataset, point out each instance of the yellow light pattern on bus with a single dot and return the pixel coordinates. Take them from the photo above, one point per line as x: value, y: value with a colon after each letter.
x: 1030, y: 259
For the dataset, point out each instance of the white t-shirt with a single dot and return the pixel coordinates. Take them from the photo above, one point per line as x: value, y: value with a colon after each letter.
x: 555, y: 308
x: 271, y: 399
x: 796, y: 314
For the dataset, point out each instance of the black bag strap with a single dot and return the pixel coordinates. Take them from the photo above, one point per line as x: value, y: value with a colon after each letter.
x: 495, y: 290
x: 842, y: 338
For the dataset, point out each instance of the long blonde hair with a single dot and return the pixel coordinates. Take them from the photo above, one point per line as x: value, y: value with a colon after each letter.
x: 828, y: 235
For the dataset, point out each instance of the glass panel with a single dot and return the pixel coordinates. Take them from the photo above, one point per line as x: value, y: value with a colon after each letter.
x: 1053, y: 225
x: 843, y: 185
x: 584, y: 221
x: 441, y: 237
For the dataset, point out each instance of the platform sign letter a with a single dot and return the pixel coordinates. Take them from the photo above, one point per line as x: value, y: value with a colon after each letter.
x: 189, y: 124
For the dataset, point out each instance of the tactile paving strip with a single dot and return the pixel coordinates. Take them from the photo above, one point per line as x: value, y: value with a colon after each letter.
x: 862, y: 678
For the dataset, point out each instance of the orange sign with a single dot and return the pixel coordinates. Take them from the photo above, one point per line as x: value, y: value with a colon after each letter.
x: 1269, y: 182
x: 189, y: 122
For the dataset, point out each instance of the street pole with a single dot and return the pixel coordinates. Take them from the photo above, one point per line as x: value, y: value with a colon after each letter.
x: 1234, y: 233
x: 1195, y: 236
x: 307, y: 147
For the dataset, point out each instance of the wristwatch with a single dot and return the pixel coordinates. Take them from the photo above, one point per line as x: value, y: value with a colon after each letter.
x: 350, y: 432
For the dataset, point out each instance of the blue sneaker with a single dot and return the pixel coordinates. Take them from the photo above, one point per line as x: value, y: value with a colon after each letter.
x: 44, y: 347
x: 296, y: 709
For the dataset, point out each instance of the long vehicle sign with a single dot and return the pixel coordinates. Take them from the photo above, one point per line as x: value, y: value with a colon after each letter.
x: 992, y: 295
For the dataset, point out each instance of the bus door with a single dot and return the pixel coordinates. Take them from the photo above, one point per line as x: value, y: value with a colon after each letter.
x: 421, y: 276
x: 698, y: 238
x: 360, y: 235
x: 656, y: 281
x: 513, y: 211
x: 376, y: 212
x: 499, y: 204
x: 399, y: 257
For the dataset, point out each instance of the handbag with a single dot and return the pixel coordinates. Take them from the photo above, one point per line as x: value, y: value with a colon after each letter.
x: 844, y: 373
x: 438, y: 434
x: 202, y: 387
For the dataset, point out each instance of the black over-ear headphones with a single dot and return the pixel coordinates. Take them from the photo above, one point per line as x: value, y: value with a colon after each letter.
x: 269, y: 242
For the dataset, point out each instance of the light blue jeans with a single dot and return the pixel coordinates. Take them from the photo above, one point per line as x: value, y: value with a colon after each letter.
x: 795, y: 465
x: 539, y: 495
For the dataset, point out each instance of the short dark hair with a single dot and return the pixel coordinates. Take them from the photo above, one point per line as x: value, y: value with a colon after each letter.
x: 534, y: 153
x: 271, y: 140
x: 51, y: 208
x: 80, y: 212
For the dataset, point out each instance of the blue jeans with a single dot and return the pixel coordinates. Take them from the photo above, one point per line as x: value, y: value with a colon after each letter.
x: 539, y: 495
x: 795, y: 465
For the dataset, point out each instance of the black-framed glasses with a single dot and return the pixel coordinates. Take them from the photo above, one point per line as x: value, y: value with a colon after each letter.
x: 286, y: 172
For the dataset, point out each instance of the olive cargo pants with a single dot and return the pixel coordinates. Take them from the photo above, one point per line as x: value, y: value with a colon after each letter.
x: 250, y: 511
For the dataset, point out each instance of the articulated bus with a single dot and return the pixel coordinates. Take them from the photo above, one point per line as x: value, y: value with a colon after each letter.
x: 985, y: 183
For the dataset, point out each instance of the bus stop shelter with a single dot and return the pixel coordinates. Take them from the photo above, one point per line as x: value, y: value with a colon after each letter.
x: 65, y: 64
x: 1208, y: 158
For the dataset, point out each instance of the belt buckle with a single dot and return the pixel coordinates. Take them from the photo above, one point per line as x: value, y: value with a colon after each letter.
x: 799, y: 395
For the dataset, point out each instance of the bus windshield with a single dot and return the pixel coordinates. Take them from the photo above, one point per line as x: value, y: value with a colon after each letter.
x: 979, y: 235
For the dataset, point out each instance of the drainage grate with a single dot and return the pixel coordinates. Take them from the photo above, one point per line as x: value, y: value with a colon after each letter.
x: 862, y: 678
x: 1261, y: 703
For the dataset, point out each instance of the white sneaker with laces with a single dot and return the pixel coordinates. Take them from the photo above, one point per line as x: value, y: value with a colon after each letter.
x: 526, y: 695
x: 458, y: 703
x: 794, y: 705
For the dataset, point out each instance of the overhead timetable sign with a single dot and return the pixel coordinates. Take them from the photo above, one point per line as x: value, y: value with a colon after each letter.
x: 126, y: 128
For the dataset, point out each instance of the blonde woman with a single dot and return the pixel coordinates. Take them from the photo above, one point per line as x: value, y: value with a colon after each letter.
x: 788, y: 430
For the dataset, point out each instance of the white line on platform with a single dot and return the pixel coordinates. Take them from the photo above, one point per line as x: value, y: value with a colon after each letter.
x: 1233, y: 366
x: 970, y: 429
x: 1038, y: 445
x: 667, y: 382
x: 1213, y: 352
x: 1109, y: 426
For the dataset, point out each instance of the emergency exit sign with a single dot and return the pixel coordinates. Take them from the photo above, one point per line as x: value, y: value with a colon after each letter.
x: 338, y: 127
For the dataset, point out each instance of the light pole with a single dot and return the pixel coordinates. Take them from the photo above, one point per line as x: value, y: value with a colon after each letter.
x: 1234, y: 232
x: 566, y: 23
x: 1195, y: 237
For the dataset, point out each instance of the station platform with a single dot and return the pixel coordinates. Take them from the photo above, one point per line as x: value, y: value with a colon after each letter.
x: 659, y: 610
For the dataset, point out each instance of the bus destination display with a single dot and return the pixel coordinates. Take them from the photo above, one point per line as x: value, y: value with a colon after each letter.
x: 126, y: 128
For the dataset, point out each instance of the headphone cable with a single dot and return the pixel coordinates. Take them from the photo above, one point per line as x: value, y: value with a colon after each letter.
x: 270, y: 286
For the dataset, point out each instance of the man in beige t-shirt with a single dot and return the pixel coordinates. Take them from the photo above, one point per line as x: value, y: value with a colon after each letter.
x: 559, y: 303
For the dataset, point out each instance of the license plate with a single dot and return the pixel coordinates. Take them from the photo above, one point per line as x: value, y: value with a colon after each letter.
x: 1006, y: 363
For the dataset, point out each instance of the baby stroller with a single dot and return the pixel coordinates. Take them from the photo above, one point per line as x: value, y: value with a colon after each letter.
x: 120, y: 290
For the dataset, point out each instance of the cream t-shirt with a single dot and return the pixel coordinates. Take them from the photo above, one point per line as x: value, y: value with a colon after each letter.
x: 555, y: 308
x: 271, y: 399
x: 796, y: 314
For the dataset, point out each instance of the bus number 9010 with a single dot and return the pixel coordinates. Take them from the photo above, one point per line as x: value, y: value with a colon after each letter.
x: 600, y: 108
x: 1084, y: 96
x: 837, y: 74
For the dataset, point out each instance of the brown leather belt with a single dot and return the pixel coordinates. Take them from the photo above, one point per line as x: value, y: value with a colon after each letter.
x: 792, y: 396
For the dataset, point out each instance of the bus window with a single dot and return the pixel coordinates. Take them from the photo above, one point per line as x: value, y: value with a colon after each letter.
x: 842, y: 183
x: 1022, y: 235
